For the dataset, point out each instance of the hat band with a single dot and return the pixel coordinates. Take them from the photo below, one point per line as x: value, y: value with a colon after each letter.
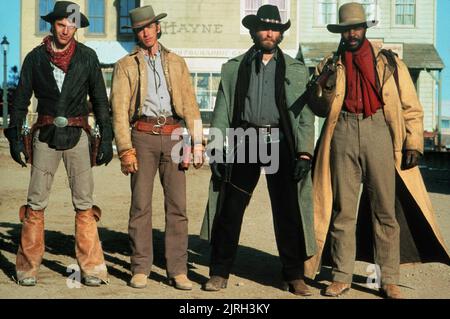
x: 143, y: 23
x: 271, y: 21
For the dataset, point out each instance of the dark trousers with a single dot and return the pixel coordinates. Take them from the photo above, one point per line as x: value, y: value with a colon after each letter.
x: 285, y: 212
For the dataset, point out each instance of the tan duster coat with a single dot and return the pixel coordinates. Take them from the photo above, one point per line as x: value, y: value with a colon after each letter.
x: 404, y: 116
x: 129, y: 72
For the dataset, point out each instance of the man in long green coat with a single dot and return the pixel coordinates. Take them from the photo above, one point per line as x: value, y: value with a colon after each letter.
x: 256, y: 98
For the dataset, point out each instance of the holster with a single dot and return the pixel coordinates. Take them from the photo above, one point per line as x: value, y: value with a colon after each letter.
x: 95, y: 145
x: 28, y: 144
x: 186, y: 152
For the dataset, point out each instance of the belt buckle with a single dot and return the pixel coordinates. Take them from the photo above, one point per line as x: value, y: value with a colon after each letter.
x: 160, y: 122
x: 266, y: 134
x: 61, y: 121
x: 270, y: 137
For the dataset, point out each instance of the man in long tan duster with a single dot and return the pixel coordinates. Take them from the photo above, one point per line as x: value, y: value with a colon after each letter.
x: 373, y: 135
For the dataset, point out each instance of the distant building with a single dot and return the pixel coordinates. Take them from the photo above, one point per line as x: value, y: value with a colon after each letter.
x: 208, y: 33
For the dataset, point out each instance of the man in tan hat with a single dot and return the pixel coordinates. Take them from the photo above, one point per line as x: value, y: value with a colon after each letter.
x: 152, y: 93
x: 373, y: 135
x: 61, y: 72
x: 256, y: 95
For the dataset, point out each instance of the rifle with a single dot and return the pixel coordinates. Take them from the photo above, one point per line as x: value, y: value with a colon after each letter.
x: 321, y: 79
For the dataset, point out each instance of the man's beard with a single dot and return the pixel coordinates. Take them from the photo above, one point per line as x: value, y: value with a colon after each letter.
x: 267, y: 47
x: 354, y: 48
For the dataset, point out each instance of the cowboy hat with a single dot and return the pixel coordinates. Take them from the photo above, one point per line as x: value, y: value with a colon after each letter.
x: 268, y: 16
x: 351, y: 15
x: 143, y: 16
x: 66, y: 9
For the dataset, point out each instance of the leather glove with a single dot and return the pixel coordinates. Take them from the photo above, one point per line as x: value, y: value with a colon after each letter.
x: 410, y: 159
x: 199, y: 155
x: 128, y: 162
x: 216, y: 164
x: 105, y: 154
x: 301, y: 168
x: 217, y: 170
x: 16, y: 146
x: 105, y: 150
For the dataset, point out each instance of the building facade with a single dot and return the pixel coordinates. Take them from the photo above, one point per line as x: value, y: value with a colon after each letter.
x: 208, y: 33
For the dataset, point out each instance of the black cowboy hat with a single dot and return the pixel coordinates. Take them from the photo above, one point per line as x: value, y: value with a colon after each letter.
x: 65, y: 9
x: 268, y: 16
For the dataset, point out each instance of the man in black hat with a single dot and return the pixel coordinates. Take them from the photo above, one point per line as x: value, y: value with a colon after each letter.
x: 61, y: 73
x: 256, y: 93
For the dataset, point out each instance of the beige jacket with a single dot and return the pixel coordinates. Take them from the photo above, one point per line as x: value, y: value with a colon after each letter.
x: 404, y: 116
x: 129, y: 72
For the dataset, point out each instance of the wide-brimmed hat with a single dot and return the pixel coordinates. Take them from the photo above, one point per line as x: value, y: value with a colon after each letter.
x: 66, y: 9
x: 351, y: 15
x: 268, y: 16
x: 143, y: 16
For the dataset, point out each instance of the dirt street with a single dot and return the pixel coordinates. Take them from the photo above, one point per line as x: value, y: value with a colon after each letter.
x: 256, y: 273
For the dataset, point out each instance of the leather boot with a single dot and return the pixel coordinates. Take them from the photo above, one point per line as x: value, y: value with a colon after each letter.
x: 88, y: 248
x: 337, y: 289
x: 391, y: 291
x: 298, y: 287
x: 215, y: 283
x: 31, y: 246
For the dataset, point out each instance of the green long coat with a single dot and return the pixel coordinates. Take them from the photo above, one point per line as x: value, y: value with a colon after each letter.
x: 303, y: 129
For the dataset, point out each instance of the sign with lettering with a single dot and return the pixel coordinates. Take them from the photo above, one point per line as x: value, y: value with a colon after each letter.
x: 171, y: 27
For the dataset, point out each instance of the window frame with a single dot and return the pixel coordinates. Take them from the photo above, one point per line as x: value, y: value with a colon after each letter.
x: 317, y: 24
x: 242, y: 13
x: 120, y: 32
x: 211, y: 91
x: 96, y: 34
x: 376, y: 3
x: 394, y: 17
x: 39, y: 19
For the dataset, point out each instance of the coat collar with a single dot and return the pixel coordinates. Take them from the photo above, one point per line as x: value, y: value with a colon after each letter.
x: 384, y: 69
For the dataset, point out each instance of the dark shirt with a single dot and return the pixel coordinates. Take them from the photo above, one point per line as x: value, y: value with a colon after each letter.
x: 84, y: 78
x: 260, y: 103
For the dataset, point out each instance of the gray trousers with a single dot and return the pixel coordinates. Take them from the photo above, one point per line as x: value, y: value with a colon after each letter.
x: 154, y: 154
x: 362, y: 152
x: 78, y: 167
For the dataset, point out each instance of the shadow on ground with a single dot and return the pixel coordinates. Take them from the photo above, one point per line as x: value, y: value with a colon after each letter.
x: 251, y: 264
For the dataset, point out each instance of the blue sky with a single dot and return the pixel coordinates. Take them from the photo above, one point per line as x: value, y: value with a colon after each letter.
x: 9, y: 26
x: 443, y: 47
x: 10, y: 21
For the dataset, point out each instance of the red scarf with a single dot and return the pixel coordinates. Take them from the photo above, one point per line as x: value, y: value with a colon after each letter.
x: 60, y: 59
x: 362, y: 94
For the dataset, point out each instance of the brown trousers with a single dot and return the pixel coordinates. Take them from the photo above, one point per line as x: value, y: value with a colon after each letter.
x: 362, y: 152
x: 154, y: 154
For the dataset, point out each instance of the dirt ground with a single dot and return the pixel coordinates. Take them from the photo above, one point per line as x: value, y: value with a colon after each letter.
x: 256, y: 273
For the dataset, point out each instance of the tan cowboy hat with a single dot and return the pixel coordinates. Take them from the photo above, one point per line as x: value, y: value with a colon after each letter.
x: 267, y: 16
x: 65, y: 9
x: 143, y: 16
x: 351, y: 15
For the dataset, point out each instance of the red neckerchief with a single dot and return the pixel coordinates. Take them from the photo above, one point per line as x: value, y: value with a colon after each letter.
x: 60, y: 59
x: 362, y: 94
